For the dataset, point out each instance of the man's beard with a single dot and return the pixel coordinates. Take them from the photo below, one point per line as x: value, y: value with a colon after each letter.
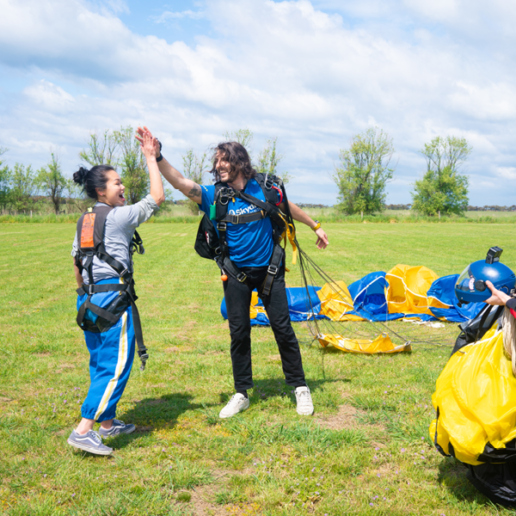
x: 232, y: 176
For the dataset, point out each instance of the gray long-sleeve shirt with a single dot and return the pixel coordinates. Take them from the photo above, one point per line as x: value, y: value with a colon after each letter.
x: 120, y: 225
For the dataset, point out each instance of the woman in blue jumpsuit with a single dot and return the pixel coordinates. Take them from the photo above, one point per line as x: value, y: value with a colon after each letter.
x: 111, y: 352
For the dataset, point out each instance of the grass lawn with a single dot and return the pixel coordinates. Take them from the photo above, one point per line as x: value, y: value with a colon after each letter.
x: 366, y: 450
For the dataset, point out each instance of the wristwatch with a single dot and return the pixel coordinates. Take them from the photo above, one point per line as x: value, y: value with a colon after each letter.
x: 317, y: 225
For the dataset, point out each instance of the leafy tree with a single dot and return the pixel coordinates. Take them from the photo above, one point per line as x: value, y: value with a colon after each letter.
x: 76, y: 196
x: 102, y: 149
x: 119, y: 148
x: 193, y: 168
x: 442, y: 190
x: 132, y: 162
x: 364, y: 172
x: 23, y: 188
x: 5, y: 181
x: 50, y: 179
x: 243, y: 136
x: 268, y: 161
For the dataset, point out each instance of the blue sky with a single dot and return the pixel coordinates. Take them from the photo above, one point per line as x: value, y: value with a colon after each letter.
x: 311, y: 73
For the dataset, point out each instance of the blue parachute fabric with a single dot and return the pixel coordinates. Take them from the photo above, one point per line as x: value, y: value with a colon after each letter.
x: 442, y: 289
x: 300, y: 306
x: 368, y: 294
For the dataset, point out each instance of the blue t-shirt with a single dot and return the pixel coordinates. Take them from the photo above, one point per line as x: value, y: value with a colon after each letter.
x: 251, y: 244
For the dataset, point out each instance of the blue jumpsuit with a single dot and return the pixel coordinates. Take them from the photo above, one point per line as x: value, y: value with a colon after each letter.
x: 112, y: 352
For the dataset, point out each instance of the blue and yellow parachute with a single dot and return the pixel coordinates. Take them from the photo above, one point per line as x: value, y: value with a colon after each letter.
x: 404, y: 292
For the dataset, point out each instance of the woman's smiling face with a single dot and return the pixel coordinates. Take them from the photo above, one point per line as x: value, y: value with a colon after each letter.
x: 113, y: 194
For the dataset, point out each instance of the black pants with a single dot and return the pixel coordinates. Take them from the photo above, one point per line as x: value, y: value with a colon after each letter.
x: 238, y: 301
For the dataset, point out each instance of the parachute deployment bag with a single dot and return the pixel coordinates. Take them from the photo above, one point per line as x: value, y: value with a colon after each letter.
x: 90, y: 239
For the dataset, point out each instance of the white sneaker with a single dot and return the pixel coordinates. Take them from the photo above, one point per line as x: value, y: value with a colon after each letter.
x: 305, y: 407
x: 237, y: 403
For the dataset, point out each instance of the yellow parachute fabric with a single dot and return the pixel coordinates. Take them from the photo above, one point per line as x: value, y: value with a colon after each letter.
x: 381, y: 344
x: 407, y: 289
x: 476, y: 399
x: 336, y: 301
x: 255, y: 310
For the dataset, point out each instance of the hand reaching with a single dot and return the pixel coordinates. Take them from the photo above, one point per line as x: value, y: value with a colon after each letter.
x: 140, y: 136
x: 322, y: 239
x: 498, y: 297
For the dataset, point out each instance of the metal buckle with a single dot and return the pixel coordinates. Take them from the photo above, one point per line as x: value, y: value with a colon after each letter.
x: 124, y: 272
x: 272, y: 269
x: 241, y: 277
x: 222, y: 226
x: 225, y: 194
x: 217, y: 251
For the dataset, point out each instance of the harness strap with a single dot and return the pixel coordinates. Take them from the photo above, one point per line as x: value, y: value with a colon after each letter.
x: 272, y: 270
x: 138, y: 333
x: 96, y: 289
x: 245, y: 218
x: 229, y: 267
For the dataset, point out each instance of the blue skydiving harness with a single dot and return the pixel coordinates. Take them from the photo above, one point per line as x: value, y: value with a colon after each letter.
x: 90, y: 240
x: 213, y: 246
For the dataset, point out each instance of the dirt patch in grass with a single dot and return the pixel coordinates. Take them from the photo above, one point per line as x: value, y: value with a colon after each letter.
x: 173, y: 349
x: 346, y: 417
x: 274, y: 358
x: 203, y: 497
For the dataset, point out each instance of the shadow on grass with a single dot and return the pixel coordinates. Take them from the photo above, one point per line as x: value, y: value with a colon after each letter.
x: 151, y: 413
x: 276, y: 387
x: 452, y: 475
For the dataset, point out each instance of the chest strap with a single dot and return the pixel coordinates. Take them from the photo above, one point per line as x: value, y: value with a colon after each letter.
x: 245, y: 218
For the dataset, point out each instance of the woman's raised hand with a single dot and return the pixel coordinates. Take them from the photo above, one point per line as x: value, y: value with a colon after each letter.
x: 140, y: 136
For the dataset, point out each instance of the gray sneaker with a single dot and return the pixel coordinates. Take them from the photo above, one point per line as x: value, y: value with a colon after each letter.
x: 119, y: 427
x: 90, y: 442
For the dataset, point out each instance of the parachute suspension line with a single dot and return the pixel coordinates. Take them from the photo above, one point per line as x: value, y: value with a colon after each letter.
x: 509, y: 337
x: 307, y: 265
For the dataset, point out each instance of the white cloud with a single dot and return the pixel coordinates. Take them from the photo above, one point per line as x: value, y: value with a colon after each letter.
x: 178, y: 15
x: 283, y: 69
x: 506, y: 172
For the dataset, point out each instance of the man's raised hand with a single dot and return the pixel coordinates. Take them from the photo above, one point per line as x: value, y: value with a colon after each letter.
x: 140, y: 132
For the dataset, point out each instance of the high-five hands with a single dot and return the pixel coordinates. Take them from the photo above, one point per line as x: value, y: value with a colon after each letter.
x: 140, y: 136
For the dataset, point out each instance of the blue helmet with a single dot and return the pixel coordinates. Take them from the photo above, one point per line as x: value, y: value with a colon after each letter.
x: 471, y: 286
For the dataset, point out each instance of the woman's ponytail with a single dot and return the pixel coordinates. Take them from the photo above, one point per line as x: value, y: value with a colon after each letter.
x: 92, y: 179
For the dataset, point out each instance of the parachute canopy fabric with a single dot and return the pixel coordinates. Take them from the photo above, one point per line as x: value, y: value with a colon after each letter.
x: 475, y: 400
x: 301, y: 306
x: 403, y: 292
x: 406, y: 289
x: 444, y: 304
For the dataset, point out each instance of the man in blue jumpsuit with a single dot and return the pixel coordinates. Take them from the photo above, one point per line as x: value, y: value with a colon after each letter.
x: 250, y: 249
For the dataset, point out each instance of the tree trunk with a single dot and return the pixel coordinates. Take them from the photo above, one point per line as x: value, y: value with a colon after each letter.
x: 361, y: 215
x: 439, y: 212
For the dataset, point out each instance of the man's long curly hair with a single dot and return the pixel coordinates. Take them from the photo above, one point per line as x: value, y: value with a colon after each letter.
x: 238, y: 158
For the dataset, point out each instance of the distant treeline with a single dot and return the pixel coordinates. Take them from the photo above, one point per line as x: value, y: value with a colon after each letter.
x: 470, y: 208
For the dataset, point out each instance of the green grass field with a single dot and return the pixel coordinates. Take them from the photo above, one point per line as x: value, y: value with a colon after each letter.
x: 366, y: 450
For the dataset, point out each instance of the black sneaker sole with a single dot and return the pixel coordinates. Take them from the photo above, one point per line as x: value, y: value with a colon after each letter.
x: 89, y: 449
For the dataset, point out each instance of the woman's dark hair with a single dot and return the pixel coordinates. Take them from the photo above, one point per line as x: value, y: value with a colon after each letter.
x: 236, y: 155
x: 92, y: 179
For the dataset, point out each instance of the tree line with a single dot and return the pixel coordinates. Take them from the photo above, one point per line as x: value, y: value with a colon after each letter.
x: 362, y: 174
x: 365, y: 169
x: 23, y: 189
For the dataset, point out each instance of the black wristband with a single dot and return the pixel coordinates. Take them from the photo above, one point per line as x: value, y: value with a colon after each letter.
x: 160, y: 157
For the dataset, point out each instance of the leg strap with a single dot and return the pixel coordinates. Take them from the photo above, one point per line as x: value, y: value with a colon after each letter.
x: 272, y: 270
